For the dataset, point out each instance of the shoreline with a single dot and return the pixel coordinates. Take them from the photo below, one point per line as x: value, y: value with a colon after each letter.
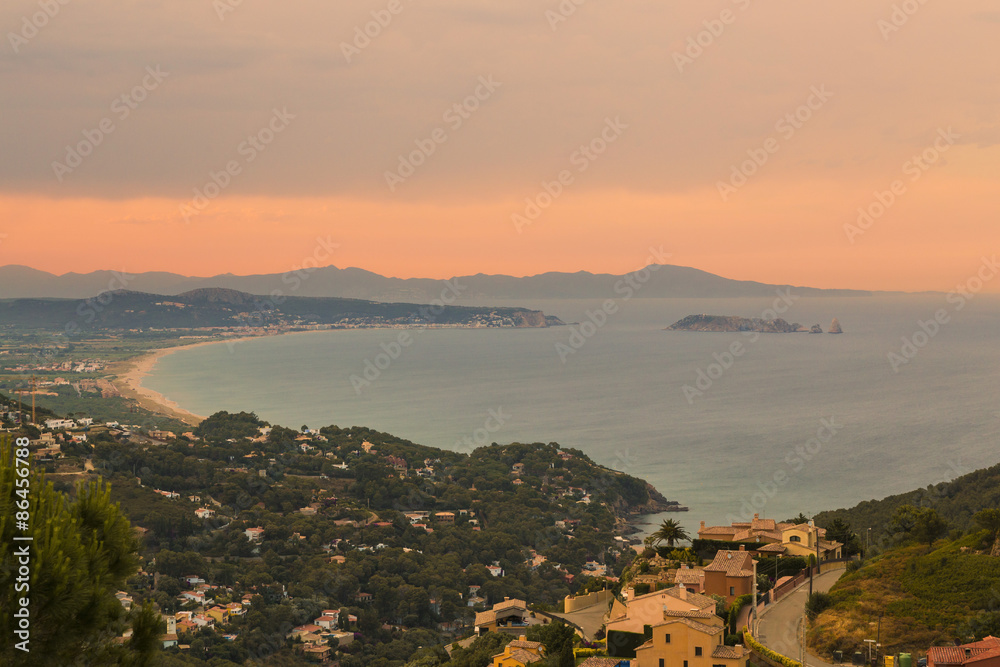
x: 128, y: 379
x: 127, y: 376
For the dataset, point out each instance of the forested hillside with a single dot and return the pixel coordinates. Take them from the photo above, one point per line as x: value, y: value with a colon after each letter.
x: 956, y: 502
x: 407, y: 542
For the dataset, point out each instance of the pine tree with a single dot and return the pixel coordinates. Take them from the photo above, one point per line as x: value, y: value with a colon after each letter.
x: 80, y: 553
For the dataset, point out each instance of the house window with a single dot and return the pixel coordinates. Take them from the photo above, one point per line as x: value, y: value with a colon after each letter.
x: 732, y: 590
x: 666, y: 638
x: 794, y: 538
x: 697, y: 651
x: 661, y: 662
x: 685, y: 663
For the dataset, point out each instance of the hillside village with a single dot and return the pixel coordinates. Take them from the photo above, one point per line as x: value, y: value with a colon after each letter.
x: 351, y: 547
x: 238, y: 516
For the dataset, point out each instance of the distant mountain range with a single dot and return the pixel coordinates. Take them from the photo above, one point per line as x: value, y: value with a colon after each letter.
x: 229, y: 309
x: 663, y: 281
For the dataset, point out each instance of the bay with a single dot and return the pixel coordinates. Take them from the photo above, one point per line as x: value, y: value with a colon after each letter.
x: 752, y: 442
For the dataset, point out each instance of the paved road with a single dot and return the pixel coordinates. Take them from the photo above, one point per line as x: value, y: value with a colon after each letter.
x: 779, y: 627
x: 590, y: 618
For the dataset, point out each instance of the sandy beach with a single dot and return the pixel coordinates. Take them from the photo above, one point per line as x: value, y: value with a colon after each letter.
x: 130, y: 374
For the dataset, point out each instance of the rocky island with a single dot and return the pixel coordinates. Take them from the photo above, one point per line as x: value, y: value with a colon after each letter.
x: 733, y: 323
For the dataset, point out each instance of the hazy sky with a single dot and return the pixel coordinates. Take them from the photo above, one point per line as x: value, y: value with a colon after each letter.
x: 115, y: 115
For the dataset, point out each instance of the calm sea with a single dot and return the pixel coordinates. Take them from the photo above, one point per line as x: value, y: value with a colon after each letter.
x: 794, y: 423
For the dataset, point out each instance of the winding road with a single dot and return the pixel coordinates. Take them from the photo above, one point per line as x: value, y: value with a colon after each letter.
x: 778, y: 628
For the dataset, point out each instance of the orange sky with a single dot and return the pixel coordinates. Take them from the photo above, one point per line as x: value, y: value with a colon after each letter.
x: 545, y: 88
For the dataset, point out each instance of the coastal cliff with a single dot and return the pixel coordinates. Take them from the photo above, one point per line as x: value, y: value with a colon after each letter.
x: 536, y: 318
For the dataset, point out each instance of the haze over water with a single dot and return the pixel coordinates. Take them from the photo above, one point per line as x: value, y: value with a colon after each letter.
x: 620, y: 397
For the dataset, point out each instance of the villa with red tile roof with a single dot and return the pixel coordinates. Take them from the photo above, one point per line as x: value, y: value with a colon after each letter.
x: 254, y: 534
x: 519, y: 653
x: 649, y: 609
x: 691, y: 638
x: 985, y: 653
x: 730, y: 574
x: 780, y: 539
x: 509, y: 615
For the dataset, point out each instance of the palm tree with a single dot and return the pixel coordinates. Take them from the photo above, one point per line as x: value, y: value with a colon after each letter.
x: 670, y: 532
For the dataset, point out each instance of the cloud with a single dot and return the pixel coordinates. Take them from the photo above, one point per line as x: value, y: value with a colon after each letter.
x: 355, y: 119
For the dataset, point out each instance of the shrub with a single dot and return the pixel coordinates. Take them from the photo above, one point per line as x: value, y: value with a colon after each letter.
x: 765, y: 652
x: 817, y: 604
x: 734, y: 609
x: 586, y: 652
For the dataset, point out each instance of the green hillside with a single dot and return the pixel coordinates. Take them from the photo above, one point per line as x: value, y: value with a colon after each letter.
x: 956, y: 502
x: 927, y: 597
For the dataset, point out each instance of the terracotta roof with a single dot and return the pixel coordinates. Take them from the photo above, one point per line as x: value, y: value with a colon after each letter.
x: 521, y: 655
x: 775, y: 548
x: 989, y: 647
x: 950, y: 655
x: 671, y: 613
x: 988, y: 654
x: 694, y: 599
x: 688, y: 576
x: 524, y: 643
x: 762, y: 524
x: 597, y: 661
x: 728, y: 652
x: 733, y: 563
x: 717, y: 530
x: 484, y: 617
x: 507, y: 604
x: 695, y: 625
